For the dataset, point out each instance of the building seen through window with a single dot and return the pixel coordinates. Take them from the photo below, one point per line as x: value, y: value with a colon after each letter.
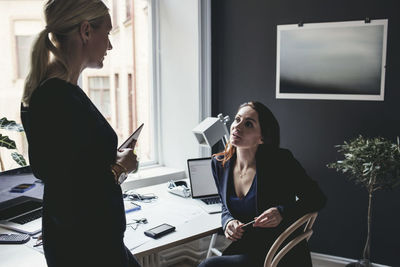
x: 23, y: 44
x: 128, y: 10
x: 121, y: 90
x: 99, y: 93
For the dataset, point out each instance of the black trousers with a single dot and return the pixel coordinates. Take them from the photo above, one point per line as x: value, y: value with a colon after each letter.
x: 87, y: 250
x: 103, y: 259
x: 298, y: 256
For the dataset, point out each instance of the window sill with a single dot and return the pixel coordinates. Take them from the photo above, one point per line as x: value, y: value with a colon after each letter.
x: 152, y: 175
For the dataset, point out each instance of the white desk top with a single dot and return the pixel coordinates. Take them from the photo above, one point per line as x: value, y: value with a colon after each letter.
x: 191, y: 223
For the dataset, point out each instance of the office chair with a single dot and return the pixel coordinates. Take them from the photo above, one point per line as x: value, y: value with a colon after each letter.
x: 272, y: 259
x: 211, y: 249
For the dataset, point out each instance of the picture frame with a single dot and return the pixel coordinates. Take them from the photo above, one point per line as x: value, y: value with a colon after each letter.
x: 332, y: 60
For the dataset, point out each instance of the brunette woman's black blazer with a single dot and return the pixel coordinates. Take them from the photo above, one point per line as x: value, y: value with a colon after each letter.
x: 71, y: 149
x: 280, y: 179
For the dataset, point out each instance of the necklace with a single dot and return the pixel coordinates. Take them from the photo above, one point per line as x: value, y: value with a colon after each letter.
x: 247, y: 168
x: 242, y: 173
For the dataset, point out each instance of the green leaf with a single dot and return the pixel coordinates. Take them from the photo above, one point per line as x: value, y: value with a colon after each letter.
x: 371, y: 162
x: 7, y: 142
x: 18, y: 159
x: 348, y: 155
x: 10, y: 125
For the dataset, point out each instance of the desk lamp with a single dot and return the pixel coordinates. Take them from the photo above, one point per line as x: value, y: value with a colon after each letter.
x: 211, y: 130
x: 208, y: 133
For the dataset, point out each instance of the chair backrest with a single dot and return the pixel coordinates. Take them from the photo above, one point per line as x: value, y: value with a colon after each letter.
x: 272, y: 258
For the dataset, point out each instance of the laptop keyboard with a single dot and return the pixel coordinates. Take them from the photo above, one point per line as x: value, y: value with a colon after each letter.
x: 23, y: 219
x: 212, y: 200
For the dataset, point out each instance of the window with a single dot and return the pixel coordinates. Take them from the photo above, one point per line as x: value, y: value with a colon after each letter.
x: 24, y: 35
x: 99, y: 93
x: 118, y: 100
x: 128, y: 7
x: 132, y: 108
x: 128, y: 67
x: 140, y: 79
x: 18, y: 28
x: 115, y: 21
x: 23, y: 45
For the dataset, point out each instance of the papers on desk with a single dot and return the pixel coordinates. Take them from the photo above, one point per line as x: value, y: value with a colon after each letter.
x: 135, y: 238
x: 162, y: 210
x: 33, y: 243
x: 131, y: 206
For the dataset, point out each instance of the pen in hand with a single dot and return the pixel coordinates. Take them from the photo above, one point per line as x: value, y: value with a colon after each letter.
x: 246, y: 225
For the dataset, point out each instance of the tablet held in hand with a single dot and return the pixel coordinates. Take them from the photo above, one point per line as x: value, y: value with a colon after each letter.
x: 131, y: 141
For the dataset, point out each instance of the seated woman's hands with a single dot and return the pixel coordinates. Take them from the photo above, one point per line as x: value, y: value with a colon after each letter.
x: 269, y: 218
x: 233, y: 230
x: 128, y: 159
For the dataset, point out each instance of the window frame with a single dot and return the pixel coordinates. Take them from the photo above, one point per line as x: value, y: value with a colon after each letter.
x: 128, y: 10
x: 155, y: 81
x: 177, y: 142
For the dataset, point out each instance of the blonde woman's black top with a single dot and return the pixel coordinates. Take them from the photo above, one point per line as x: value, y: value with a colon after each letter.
x: 71, y: 149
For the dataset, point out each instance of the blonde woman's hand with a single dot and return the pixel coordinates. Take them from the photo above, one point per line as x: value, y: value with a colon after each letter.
x: 127, y: 158
x: 233, y: 230
x: 269, y: 218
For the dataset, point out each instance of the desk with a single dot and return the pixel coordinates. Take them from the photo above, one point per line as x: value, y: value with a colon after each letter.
x: 190, y: 220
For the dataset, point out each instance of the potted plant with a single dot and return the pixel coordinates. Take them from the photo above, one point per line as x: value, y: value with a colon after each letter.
x: 6, y: 142
x: 374, y: 163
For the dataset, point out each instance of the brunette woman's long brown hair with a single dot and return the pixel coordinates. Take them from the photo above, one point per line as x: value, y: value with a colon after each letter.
x: 269, y: 131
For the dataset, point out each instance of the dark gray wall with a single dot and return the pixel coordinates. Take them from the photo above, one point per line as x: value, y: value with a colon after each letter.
x: 244, y: 68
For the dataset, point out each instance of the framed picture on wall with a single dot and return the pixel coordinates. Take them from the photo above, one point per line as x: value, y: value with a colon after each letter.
x: 338, y: 60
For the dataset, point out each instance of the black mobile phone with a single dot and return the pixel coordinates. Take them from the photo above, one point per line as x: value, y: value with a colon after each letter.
x: 22, y: 188
x: 159, y: 231
x: 131, y: 141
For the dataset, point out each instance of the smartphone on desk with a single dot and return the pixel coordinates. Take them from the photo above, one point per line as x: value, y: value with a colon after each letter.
x: 22, y: 188
x: 160, y: 230
x: 131, y: 141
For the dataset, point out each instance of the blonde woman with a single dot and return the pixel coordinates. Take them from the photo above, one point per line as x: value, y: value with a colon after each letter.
x: 72, y: 148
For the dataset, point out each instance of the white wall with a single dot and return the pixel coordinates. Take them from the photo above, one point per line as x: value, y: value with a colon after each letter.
x: 179, y: 80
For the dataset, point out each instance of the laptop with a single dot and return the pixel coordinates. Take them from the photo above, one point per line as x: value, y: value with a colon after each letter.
x: 20, y: 211
x: 202, y: 185
x: 22, y: 214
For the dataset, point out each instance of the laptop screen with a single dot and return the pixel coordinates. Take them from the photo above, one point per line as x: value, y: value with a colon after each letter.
x: 201, y: 177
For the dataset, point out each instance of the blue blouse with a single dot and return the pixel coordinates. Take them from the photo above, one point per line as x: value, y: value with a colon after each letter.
x: 242, y: 209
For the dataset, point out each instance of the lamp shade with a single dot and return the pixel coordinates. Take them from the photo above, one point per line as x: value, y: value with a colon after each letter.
x: 210, y: 131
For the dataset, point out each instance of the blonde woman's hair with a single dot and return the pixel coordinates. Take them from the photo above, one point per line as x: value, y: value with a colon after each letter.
x: 63, y: 17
